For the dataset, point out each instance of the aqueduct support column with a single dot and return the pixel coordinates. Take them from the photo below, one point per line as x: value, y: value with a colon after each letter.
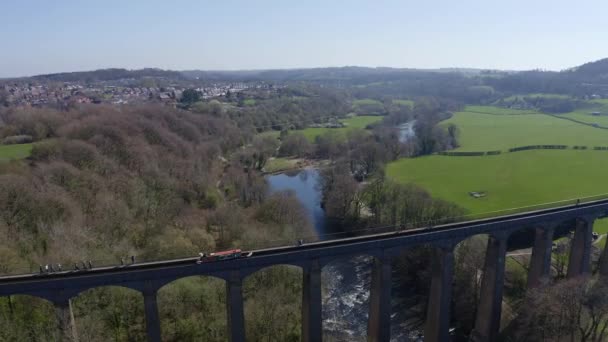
x: 379, y: 322
x: 580, y: 249
x: 540, y: 262
x: 603, y: 266
x: 152, y: 317
x: 234, y: 303
x: 487, y: 322
x: 312, y: 321
x: 440, y: 297
x: 65, y: 321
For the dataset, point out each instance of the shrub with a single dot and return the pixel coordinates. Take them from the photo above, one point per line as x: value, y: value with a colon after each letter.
x: 17, y: 139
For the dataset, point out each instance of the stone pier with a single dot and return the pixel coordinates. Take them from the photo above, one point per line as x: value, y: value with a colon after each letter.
x: 580, y: 249
x: 379, y: 322
x: 540, y: 262
x: 65, y: 321
x: 440, y: 296
x: 603, y: 266
x: 234, y: 303
x: 312, y: 318
x: 152, y: 317
x: 487, y: 323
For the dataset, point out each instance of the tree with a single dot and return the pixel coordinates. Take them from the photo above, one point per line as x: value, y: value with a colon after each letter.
x: 429, y: 137
x: 329, y: 146
x: 340, y: 194
x: 190, y: 96
x: 453, y: 134
x: 574, y: 308
x: 4, y: 98
x: 295, y: 144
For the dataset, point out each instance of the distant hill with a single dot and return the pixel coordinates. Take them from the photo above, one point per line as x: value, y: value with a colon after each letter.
x: 110, y: 75
x: 597, y: 70
x: 587, y: 79
x: 352, y: 74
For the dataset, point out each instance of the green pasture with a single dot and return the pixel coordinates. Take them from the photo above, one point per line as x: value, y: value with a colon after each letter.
x: 585, y: 114
x: 274, y: 134
x: 509, y: 180
x: 356, y: 122
x: 368, y: 106
x: 366, y: 102
x: 482, y: 132
x: 498, y: 110
x: 600, y: 101
x: 537, y: 95
x: 601, y: 226
x: 278, y: 164
x: 11, y: 152
x: 400, y: 102
x: 519, y: 179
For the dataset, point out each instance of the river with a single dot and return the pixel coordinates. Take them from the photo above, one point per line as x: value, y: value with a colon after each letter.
x: 346, y: 282
x: 406, y: 131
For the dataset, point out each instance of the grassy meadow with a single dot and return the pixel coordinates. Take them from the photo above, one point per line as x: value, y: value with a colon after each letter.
x: 510, y: 180
x: 366, y: 102
x: 278, y: 164
x: 483, y: 132
x: 519, y: 179
x: 11, y: 152
x: 498, y: 110
x: 537, y: 95
x: 368, y: 106
x: 584, y: 114
x: 249, y: 102
x: 356, y: 122
x: 400, y: 102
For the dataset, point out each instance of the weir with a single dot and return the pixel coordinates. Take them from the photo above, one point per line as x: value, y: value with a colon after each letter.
x: 147, y: 278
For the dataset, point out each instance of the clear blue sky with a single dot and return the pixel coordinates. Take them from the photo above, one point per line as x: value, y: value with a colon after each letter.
x: 43, y: 36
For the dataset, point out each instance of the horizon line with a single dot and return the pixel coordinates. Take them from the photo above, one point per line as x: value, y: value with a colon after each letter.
x: 277, y: 69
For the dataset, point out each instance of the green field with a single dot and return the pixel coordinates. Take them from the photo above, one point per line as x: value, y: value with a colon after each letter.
x: 274, y: 134
x: 601, y: 226
x: 277, y: 164
x: 510, y: 180
x: 549, y: 96
x: 408, y: 103
x: 498, y: 110
x: 520, y: 179
x: 11, y: 152
x: 355, y: 122
x: 368, y: 106
x: 584, y: 115
x: 366, y: 102
x: 482, y: 132
x: 600, y: 101
x: 249, y: 102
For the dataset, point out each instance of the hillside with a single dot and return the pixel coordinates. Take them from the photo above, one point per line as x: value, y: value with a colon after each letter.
x: 109, y: 75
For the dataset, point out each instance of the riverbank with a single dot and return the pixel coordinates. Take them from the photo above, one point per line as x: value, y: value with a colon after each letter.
x: 278, y: 165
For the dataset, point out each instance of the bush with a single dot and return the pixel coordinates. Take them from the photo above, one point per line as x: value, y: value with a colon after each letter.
x: 17, y: 139
x: 538, y: 147
x: 462, y: 154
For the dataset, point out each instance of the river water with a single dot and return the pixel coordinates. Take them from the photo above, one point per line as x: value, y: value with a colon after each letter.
x: 406, y: 131
x: 346, y: 282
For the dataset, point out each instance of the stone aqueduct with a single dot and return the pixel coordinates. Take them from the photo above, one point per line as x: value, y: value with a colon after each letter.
x: 148, y: 278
